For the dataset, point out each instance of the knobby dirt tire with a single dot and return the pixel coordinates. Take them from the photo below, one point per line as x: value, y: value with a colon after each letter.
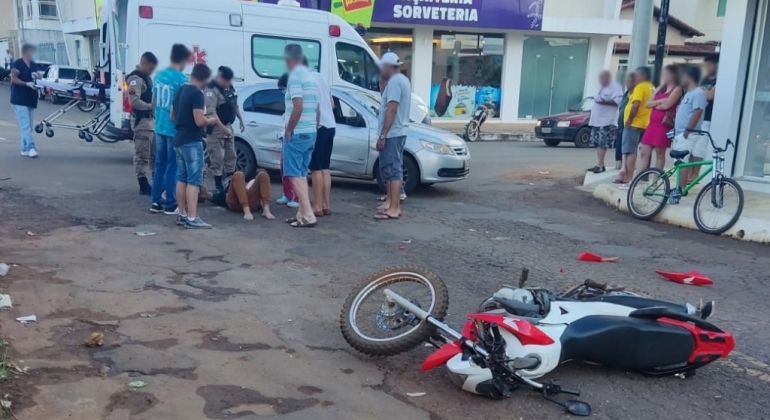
x: 420, y: 334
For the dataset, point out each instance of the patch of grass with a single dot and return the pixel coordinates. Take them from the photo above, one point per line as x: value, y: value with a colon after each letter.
x: 5, y: 366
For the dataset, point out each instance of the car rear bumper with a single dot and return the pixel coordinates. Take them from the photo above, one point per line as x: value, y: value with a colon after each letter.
x: 557, y: 133
x: 436, y: 168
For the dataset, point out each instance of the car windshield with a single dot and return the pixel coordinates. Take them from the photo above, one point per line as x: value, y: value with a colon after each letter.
x: 584, y: 105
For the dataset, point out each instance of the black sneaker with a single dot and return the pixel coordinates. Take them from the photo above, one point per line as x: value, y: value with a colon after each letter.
x: 598, y: 169
x: 156, y: 208
x: 171, y: 211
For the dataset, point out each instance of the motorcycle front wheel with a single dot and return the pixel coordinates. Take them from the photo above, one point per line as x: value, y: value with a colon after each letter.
x: 375, y: 326
x: 472, y: 131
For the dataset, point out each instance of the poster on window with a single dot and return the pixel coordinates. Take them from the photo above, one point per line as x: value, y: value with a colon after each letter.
x: 448, y: 100
x: 489, y: 97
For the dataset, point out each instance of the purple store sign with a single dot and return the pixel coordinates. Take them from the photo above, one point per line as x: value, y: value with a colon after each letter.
x: 493, y: 14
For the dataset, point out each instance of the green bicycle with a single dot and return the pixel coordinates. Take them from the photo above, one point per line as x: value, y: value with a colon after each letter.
x: 718, y: 205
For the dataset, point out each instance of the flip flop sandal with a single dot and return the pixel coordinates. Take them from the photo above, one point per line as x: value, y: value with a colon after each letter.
x: 318, y: 213
x: 303, y: 224
x: 616, y: 181
x: 327, y: 212
x: 291, y: 220
x: 385, y: 216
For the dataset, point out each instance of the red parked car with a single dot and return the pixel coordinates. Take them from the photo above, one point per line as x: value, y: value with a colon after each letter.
x: 571, y: 126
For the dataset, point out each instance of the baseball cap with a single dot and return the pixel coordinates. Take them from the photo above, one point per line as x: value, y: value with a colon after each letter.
x: 390, y: 59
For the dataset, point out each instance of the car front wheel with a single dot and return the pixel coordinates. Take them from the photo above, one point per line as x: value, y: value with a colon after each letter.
x: 583, y: 138
x: 411, y: 175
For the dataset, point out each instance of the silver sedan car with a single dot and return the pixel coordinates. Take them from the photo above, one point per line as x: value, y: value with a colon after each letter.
x: 431, y: 155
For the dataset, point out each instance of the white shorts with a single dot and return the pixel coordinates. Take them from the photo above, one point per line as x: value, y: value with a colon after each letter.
x: 696, y: 144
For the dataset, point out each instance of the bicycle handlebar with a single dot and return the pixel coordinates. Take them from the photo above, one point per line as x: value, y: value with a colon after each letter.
x: 711, y: 139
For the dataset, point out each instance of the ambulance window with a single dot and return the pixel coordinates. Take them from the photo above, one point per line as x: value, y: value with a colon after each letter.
x: 269, y: 101
x: 356, y: 66
x: 267, y: 54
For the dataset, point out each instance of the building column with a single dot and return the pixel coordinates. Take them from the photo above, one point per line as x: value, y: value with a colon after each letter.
x: 422, y: 62
x: 734, y: 56
x: 599, y: 58
x: 511, y: 83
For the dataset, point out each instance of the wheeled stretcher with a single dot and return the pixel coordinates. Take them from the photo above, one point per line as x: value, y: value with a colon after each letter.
x: 76, y: 94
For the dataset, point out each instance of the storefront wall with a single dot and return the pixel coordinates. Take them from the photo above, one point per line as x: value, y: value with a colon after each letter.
x: 742, y: 100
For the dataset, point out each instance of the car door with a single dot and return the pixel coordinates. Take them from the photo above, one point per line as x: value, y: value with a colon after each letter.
x: 350, y: 154
x: 263, y: 116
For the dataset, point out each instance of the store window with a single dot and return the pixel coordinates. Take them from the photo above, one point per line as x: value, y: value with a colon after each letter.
x: 757, y: 163
x: 553, y: 75
x: 467, y: 72
x: 356, y: 66
x: 267, y: 54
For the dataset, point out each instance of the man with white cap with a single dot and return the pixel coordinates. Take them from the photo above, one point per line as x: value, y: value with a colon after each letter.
x: 393, y: 124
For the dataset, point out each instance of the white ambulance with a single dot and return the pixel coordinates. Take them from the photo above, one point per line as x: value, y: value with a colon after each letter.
x: 245, y: 36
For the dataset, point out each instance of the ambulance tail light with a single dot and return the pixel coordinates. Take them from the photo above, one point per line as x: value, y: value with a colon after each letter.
x: 126, y: 100
x: 335, y: 30
x: 145, y: 12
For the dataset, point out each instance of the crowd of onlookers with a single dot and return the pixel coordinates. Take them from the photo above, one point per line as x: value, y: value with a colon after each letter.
x: 183, y: 130
x: 642, y: 122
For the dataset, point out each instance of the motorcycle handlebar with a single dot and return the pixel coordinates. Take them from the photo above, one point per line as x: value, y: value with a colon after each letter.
x: 596, y: 284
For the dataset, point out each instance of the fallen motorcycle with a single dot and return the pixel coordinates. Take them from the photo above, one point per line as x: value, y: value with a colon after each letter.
x: 520, y: 334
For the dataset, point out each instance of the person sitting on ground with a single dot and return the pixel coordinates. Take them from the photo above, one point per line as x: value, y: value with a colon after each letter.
x: 238, y: 195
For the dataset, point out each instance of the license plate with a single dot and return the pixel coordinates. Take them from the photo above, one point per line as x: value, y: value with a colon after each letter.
x: 545, y: 130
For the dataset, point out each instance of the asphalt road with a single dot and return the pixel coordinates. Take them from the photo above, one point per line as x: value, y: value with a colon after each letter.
x: 242, y: 321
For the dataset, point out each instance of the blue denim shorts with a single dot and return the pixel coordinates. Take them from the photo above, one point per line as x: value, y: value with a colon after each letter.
x: 297, y: 154
x: 392, y: 159
x: 189, y: 163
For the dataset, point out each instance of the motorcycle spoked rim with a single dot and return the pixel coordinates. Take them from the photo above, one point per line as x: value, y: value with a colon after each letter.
x: 391, y: 278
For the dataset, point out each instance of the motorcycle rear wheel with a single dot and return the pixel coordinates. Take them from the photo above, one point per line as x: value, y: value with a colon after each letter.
x: 390, y: 317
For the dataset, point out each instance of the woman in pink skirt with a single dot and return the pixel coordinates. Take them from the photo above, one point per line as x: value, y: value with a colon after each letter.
x: 663, y: 105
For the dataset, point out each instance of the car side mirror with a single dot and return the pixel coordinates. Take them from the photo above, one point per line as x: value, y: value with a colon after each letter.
x: 355, y: 119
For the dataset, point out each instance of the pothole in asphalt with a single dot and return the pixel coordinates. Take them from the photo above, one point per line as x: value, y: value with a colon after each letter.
x: 214, y: 341
x: 230, y: 402
x: 141, y: 359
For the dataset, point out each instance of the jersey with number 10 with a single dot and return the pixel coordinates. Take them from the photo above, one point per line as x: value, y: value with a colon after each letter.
x: 167, y: 82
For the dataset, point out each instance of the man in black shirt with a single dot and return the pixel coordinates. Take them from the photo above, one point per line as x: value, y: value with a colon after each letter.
x: 711, y: 63
x: 24, y: 97
x: 188, y: 112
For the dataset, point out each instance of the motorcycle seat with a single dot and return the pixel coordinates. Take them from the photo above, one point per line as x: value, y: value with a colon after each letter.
x: 661, y: 312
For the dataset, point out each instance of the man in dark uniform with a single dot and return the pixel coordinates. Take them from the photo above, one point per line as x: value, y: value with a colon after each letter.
x: 143, y: 118
x: 222, y: 101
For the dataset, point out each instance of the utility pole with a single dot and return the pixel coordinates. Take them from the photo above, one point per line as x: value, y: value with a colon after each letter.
x: 660, y: 47
x: 640, y: 34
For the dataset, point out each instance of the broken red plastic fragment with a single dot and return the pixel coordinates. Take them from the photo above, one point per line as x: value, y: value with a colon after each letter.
x: 591, y: 257
x: 691, y: 277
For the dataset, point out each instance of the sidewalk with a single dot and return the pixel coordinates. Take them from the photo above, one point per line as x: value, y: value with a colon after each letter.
x: 492, y: 131
x: 753, y: 225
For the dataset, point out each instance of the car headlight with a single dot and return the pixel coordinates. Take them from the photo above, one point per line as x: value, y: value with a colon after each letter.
x: 439, y: 148
x: 538, y: 123
x: 563, y: 124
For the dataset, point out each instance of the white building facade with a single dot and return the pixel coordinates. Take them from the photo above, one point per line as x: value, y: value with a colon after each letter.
x: 742, y: 99
x: 523, y: 59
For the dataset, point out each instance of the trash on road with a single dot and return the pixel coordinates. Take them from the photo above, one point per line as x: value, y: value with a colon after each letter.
x: 591, y: 257
x: 95, y: 340
x: 145, y: 233
x: 401, y: 247
x: 544, y: 173
x: 26, y: 319
x: 415, y: 394
x: 471, y: 230
x: 146, y: 315
x: 406, y: 241
x: 4, y: 268
x: 137, y: 384
x: 5, y: 302
x: 30, y: 233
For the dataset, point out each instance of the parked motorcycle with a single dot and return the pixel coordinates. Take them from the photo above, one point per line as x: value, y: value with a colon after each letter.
x: 473, y: 128
x: 520, y: 334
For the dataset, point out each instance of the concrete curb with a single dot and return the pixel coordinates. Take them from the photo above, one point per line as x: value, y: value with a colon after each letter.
x: 751, y: 226
x: 530, y: 137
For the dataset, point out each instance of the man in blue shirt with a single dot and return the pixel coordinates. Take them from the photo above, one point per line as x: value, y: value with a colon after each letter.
x: 167, y: 82
x: 24, y: 97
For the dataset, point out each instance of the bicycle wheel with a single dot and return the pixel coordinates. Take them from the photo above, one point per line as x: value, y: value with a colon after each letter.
x: 716, y: 216
x: 648, y: 194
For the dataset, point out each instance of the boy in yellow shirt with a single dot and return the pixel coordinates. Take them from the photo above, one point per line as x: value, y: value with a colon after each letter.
x: 636, y: 119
